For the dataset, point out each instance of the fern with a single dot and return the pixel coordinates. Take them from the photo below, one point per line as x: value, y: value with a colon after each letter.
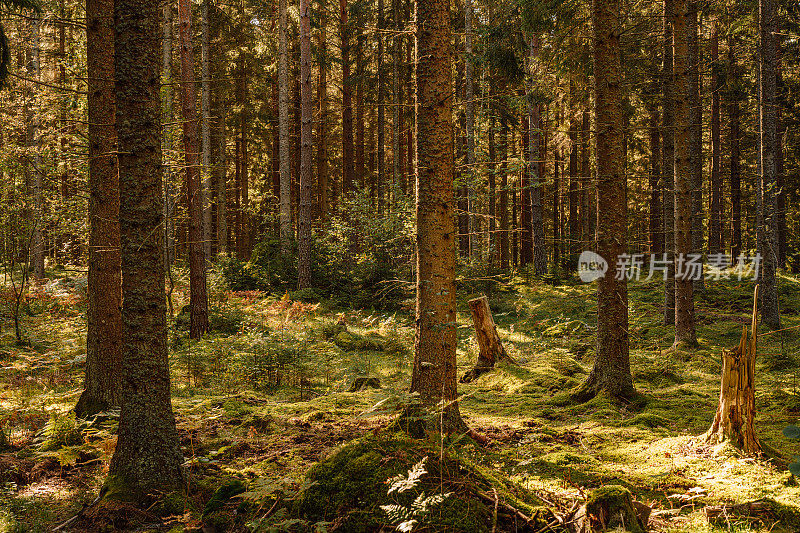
x: 406, y: 517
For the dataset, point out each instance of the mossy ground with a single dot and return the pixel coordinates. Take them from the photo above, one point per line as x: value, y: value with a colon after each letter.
x: 237, y: 398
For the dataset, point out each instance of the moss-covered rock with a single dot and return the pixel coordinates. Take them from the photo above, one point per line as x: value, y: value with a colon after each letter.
x: 351, y: 486
x: 612, y: 507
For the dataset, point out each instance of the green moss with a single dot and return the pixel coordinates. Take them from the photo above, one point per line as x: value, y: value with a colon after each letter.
x: 614, y: 504
x: 350, y: 486
x: 349, y: 342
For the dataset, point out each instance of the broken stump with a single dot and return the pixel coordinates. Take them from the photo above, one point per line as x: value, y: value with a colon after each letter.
x: 736, y: 411
x: 490, y: 347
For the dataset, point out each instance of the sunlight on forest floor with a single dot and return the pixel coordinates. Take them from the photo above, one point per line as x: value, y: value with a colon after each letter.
x: 264, y: 395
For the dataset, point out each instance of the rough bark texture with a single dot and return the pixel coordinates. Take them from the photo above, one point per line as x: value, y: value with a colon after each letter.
x: 695, y: 138
x: 103, y: 316
x: 434, y: 373
x: 380, y: 149
x: 611, y: 372
x: 715, y: 238
x: 147, y: 459
x: 684, y: 294
x: 306, y: 151
x: 736, y: 411
x: 574, y: 191
x: 735, y: 153
x: 347, y: 107
x: 656, y: 234
x: 198, y: 301
x: 205, y: 131
x: 283, y: 127
x: 503, y: 204
x: 167, y: 134
x: 668, y: 163
x: 469, y: 112
x: 769, y: 153
x: 490, y: 347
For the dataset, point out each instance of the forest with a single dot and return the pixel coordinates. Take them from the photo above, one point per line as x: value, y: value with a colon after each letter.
x: 399, y: 265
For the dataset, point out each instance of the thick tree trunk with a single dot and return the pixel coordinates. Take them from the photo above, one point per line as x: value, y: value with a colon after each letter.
x: 611, y: 371
x: 198, y: 303
x: 147, y: 459
x: 283, y: 127
x: 347, y: 106
x: 306, y: 151
x: 716, y: 242
x: 770, y: 314
x: 684, y: 294
x: 696, y: 139
x: 490, y: 347
x: 668, y: 162
x: 101, y: 388
x: 734, y: 421
x: 434, y: 373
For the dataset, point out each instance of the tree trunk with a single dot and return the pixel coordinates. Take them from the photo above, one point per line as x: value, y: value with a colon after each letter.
x: 574, y: 192
x: 198, y: 303
x: 347, y: 106
x: 34, y: 144
x: 396, y: 116
x: 381, y: 148
x: 526, y: 222
x: 492, y: 249
x: 469, y: 111
x: 490, y: 347
x: 167, y: 135
x: 684, y: 295
x: 556, y: 201
x: 359, y: 164
x: 735, y: 152
x: 306, y: 151
x: 503, y: 194
x: 205, y: 106
x: 434, y: 373
x: 656, y: 235
x: 734, y: 421
x: 611, y: 371
x: 101, y: 389
x: 668, y: 162
x: 283, y: 127
x: 770, y: 314
x: 322, y: 125
x: 147, y: 459
x: 715, y: 239
x: 221, y: 175
x: 696, y: 139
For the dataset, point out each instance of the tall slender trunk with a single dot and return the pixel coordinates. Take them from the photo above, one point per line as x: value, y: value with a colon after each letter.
x: 503, y: 218
x: 668, y: 162
x: 611, y: 371
x: 283, y: 127
x: 221, y: 177
x: 322, y: 125
x: 492, y: 199
x: 770, y: 314
x: 434, y: 372
x: 715, y: 238
x: 395, y: 99
x: 33, y: 144
x: 656, y: 235
x: 147, y: 459
x: 169, y: 185
x: 574, y: 191
x: 347, y: 106
x: 469, y: 111
x: 734, y: 136
x: 526, y: 223
x: 586, y: 180
x: 696, y: 139
x: 780, y: 169
x: 306, y: 151
x: 556, y: 199
x: 684, y: 295
x: 101, y: 389
x: 359, y: 164
x: 380, y: 149
x: 194, y: 194
x: 205, y: 132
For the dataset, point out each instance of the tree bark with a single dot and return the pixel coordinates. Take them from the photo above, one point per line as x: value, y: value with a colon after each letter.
x: 358, y: 173
x: 490, y: 347
x: 734, y: 421
x: 167, y: 136
x: 656, y: 234
x: 306, y: 151
x: 503, y: 218
x: 205, y: 106
x: 147, y: 459
x: 101, y: 389
x: 735, y: 151
x: 696, y: 139
x: 611, y: 371
x: 668, y: 162
x: 347, y: 106
x: 684, y: 294
x: 469, y: 112
x: 198, y: 303
x: 770, y: 314
x: 434, y: 372
x: 381, y: 147
x: 716, y: 242
x: 283, y: 127
x: 574, y: 191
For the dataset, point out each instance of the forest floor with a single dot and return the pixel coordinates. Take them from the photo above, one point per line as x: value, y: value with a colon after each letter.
x: 264, y: 397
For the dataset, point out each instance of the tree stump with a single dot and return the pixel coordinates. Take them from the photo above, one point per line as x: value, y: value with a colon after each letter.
x: 491, y: 349
x: 736, y: 410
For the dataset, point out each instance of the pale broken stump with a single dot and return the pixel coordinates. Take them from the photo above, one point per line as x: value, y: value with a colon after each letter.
x: 736, y: 411
x: 491, y: 349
